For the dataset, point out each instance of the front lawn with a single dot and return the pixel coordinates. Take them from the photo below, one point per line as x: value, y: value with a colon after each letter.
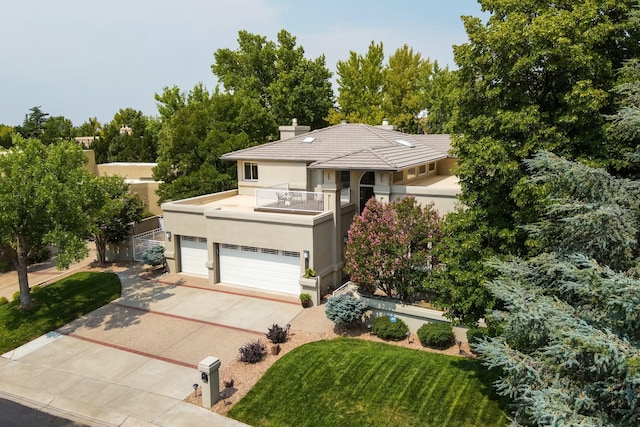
x: 351, y: 382
x: 56, y: 305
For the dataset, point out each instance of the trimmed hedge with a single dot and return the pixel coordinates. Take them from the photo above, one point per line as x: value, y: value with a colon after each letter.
x: 384, y: 328
x: 475, y: 334
x: 436, y: 335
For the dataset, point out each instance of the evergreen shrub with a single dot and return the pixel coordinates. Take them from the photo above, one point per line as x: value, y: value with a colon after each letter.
x: 386, y: 329
x: 436, y: 335
x: 345, y: 309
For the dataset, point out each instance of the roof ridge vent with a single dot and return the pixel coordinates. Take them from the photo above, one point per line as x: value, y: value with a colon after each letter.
x: 404, y: 142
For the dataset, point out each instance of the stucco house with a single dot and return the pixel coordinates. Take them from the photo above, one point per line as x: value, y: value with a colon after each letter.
x: 295, y: 201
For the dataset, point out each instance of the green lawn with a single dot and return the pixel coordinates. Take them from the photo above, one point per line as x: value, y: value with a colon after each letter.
x: 56, y: 305
x: 351, y: 382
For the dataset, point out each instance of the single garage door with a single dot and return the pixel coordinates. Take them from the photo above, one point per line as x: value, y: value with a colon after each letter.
x: 193, y: 255
x: 261, y: 268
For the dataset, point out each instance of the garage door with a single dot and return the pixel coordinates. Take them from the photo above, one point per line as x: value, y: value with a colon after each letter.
x: 261, y: 268
x: 193, y: 255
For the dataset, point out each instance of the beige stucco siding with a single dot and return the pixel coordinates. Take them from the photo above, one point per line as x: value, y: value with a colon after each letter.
x: 147, y: 191
x: 272, y: 173
x: 140, y: 171
x: 445, y: 166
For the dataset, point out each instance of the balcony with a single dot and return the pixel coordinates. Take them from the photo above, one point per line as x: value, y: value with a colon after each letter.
x: 282, y: 199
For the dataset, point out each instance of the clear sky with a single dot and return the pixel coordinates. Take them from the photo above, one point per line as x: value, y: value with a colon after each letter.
x: 89, y: 58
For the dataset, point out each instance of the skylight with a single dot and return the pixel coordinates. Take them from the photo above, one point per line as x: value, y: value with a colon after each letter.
x: 308, y: 140
x: 405, y: 143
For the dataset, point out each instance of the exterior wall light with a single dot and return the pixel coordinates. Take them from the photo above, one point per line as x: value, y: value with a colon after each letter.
x: 168, y: 235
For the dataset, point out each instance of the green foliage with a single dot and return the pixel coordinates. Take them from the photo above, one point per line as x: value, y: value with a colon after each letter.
x: 253, y: 352
x: 389, y: 247
x: 4, y: 300
x: 569, y: 330
x: 117, y: 144
x: 56, y: 305
x: 386, y: 328
x: 113, y: 215
x: 309, y: 273
x: 345, y: 309
x: 6, y: 133
x: 194, y: 137
x: 515, y: 99
x: 33, y: 124
x: 154, y: 255
x: 398, y: 91
x: 277, y: 334
x: 436, y: 335
x: 46, y: 196
x: 351, y: 382
x: 474, y: 335
x: 91, y: 127
x: 287, y: 84
x: 56, y: 129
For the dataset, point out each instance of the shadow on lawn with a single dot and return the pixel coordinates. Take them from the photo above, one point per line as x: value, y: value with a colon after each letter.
x: 485, y: 377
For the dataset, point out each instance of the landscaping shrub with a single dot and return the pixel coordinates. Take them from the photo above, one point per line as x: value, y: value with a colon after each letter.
x: 4, y: 300
x: 16, y: 296
x: 253, y: 352
x: 436, y: 335
x: 475, y: 334
x: 277, y: 334
x: 345, y: 309
x: 385, y: 328
x: 154, y: 255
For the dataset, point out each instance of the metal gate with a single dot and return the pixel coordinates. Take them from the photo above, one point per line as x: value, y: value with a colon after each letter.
x: 145, y: 240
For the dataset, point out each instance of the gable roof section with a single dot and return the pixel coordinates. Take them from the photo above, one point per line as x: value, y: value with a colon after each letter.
x: 351, y: 146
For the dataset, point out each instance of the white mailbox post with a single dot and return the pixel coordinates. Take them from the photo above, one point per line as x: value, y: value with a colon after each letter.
x: 208, y: 368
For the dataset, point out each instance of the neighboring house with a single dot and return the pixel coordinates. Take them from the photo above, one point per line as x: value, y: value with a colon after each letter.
x: 139, y: 177
x: 295, y: 201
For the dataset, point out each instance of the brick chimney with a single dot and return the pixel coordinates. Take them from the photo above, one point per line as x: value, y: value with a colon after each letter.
x: 287, y: 132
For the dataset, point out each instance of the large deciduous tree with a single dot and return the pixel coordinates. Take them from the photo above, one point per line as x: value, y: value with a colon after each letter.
x: 45, y: 196
x: 533, y: 76
x: 116, y: 210
x: 197, y: 134
x: 568, y: 347
x: 400, y: 90
x: 287, y: 84
x: 390, y: 245
x: 129, y: 137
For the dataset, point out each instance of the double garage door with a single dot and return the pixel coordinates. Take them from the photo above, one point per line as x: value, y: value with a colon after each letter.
x: 260, y: 268
x: 266, y: 269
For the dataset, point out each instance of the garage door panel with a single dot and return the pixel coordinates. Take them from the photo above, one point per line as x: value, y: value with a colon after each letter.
x: 260, y: 269
x: 193, y: 255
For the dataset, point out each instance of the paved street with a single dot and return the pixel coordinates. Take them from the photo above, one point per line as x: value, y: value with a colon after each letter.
x: 16, y: 415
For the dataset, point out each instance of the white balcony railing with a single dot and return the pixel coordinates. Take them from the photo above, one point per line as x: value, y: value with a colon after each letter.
x: 283, y: 199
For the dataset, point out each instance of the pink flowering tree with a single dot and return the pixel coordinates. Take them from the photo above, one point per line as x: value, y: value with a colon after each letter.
x: 390, y: 247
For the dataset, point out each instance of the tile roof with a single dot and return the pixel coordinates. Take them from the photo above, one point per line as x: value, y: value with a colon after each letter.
x: 352, y: 146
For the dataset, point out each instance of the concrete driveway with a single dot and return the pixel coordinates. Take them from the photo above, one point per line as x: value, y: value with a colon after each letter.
x: 133, y: 361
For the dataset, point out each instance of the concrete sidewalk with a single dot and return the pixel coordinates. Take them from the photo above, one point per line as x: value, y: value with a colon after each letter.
x: 132, y: 362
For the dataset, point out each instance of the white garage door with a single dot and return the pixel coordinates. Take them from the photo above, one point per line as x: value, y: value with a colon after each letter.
x: 193, y: 255
x: 266, y: 269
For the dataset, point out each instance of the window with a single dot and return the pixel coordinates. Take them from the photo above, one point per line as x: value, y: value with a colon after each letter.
x: 397, y: 176
x: 345, y: 179
x: 250, y: 171
x: 411, y: 173
x: 432, y: 167
x: 422, y: 169
x: 368, y: 178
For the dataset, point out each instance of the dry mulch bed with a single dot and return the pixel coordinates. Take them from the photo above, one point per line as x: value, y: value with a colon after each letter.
x: 246, y: 375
